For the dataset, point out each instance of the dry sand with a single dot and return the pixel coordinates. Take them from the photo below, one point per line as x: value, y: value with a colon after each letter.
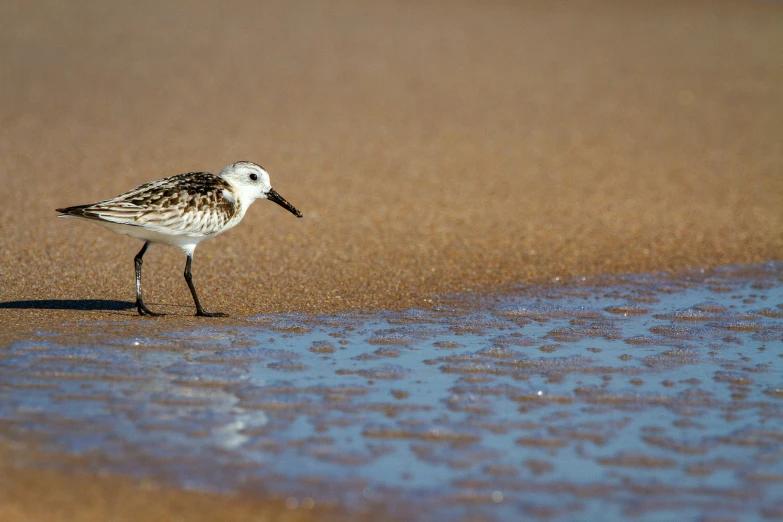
x: 433, y: 147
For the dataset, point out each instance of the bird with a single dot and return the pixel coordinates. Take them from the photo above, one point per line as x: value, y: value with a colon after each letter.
x: 182, y: 211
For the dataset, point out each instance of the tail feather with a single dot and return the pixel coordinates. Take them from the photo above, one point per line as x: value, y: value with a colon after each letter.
x: 77, y: 211
x: 121, y: 216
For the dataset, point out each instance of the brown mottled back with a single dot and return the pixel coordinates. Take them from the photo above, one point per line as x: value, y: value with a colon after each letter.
x: 196, y: 203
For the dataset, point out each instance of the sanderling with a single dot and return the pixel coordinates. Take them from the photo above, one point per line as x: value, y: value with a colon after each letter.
x: 182, y: 211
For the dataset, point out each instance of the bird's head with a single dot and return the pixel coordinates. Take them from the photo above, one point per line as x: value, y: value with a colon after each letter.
x: 251, y: 182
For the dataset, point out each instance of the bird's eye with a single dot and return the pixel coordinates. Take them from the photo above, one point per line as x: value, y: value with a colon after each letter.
x: 254, y: 177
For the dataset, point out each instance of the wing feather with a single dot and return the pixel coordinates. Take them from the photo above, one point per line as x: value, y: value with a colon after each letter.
x: 194, y: 204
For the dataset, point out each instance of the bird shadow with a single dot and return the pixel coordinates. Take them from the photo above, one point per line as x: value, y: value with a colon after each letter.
x: 70, y: 304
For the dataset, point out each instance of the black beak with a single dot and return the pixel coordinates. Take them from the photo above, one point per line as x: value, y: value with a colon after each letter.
x: 272, y: 195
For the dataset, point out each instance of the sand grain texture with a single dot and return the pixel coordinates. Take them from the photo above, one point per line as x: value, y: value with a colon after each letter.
x: 433, y: 148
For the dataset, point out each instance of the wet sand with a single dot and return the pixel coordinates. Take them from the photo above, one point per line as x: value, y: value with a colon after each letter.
x: 51, y: 495
x: 649, y: 398
x: 434, y: 148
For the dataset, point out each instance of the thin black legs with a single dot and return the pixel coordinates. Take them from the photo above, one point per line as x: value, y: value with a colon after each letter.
x: 189, y: 278
x: 143, y: 310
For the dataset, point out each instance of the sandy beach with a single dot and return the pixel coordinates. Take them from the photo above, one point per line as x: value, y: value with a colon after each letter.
x: 46, y: 495
x: 433, y: 148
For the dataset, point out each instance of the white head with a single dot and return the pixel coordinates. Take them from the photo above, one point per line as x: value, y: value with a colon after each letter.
x: 251, y: 182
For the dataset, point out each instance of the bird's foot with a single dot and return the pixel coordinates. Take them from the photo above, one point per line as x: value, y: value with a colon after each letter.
x: 143, y: 310
x: 202, y: 313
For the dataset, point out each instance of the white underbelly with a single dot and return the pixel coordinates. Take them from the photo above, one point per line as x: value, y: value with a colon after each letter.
x: 184, y: 242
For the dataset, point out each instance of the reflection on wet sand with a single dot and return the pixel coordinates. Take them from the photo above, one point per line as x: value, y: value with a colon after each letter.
x: 643, y: 396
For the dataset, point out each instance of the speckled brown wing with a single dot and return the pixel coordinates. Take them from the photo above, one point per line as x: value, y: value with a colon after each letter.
x: 196, y: 203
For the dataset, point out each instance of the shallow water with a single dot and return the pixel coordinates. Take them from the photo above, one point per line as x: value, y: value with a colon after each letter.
x: 652, y: 397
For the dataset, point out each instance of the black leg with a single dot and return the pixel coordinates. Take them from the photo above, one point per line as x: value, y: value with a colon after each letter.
x: 143, y: 310
x: 189, y: 278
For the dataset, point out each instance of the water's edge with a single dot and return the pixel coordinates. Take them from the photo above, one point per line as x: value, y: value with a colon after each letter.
x: 636, y: 396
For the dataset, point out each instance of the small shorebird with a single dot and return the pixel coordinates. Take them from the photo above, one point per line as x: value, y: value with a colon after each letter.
x: 182, y: 211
